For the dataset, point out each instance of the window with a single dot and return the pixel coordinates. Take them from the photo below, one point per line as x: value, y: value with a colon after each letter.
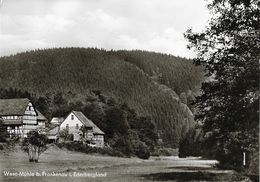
x: 77, y: 126
x: 67, y: 126
x: 72, y: 117
x: 30, y: 108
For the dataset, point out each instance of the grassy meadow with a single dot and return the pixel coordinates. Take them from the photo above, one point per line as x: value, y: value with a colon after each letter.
x: 114, y: 168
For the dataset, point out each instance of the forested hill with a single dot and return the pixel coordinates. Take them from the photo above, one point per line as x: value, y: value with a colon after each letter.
x: 148, y: 82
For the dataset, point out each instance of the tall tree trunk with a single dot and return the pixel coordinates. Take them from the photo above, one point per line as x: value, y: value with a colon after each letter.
x: 33, y: 153
x: 30, y: 153
x: 36, y: 154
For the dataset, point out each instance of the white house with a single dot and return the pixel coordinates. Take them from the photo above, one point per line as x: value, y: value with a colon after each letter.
x: 20, y: 116
x: 73, y: 123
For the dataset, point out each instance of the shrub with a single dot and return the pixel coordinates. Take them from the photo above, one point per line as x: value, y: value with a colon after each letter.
x: 65, y: 135
x: 143, y: 151
x: 81, y: 147
x: 184, y: 148
x: 123, y: 145
x: 253, y: 168
x: 165, y: 152
x: 190, y: 144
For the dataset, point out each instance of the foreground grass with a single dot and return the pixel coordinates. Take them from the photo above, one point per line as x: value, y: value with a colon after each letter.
x: 116, y: 168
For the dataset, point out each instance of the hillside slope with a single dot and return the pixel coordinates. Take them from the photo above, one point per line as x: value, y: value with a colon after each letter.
x: 144, y: 80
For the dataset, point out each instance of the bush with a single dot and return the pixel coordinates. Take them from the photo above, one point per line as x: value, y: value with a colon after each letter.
x: 231, y: 157
x: 110, y: 151
x: 190, y: 144
x: 64, y: 134
x: 1, y: 147
x: 122, y: 144
x: 184, y: 148
x: 81, y: 147
x: 143, y: 151
x: 165, y: 152
x: 253, y: 168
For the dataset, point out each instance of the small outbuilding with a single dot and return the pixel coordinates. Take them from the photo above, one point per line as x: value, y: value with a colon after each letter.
x: 53, y: 134
x: 56, y: 121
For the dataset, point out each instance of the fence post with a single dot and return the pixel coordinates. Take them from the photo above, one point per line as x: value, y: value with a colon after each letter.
x: 244, y: 158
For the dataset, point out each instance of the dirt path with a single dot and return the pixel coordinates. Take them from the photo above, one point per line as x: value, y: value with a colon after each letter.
x: 83, y: 167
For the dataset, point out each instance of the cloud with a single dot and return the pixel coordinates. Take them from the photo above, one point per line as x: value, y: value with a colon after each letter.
x: 154, y: 25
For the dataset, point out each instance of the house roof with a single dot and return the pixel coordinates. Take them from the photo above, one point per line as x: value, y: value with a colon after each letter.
x: 53, y: 131
x: 13, y: 106
x: 57, y: 120
x: 40, y: 116
x: 87, y: 122
x: 12, y: 122
x: 97, y: 131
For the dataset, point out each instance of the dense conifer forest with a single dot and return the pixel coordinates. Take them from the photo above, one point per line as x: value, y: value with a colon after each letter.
x: 155, y: 85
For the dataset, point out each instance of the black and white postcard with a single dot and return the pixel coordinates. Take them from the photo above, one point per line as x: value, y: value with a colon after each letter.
x: 129, y: 90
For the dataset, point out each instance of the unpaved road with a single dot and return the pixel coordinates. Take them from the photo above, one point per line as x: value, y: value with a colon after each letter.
x: 61, y: 165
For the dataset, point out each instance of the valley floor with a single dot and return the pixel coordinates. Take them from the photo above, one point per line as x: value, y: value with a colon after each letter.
x: 81, y: 166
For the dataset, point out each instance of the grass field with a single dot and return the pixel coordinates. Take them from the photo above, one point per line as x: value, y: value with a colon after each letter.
x: 81, y: 166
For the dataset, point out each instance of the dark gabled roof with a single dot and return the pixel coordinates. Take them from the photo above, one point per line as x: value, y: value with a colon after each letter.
x: 53, y: 131
x: 87, y: 122
x: 40, y: 116
x: 97, y: 131
x: 13, y: 106
x: 83, y: 118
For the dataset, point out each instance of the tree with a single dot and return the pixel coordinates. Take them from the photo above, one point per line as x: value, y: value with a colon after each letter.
x: 116, y: 122
x: 42, y: 104
x: 3, y: 131
x: 145, y: 130
x: 59, y: 100
x: 65, y: 135
x: 228, y: 107
x: 34, y: 145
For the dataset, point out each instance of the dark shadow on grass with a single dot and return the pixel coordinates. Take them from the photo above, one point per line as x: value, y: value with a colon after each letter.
x: 189, y: 168
x: 182, y: 176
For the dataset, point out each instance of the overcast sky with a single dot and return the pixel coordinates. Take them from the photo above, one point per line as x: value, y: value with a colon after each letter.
x: 154, y: 25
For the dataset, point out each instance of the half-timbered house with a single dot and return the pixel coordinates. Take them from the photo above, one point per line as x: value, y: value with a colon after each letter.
x: 20, y: 116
